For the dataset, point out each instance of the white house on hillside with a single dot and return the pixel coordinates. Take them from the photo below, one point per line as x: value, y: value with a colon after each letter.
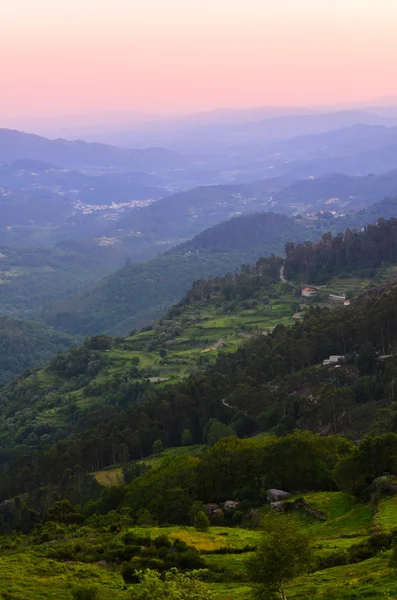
x: 308, y: 292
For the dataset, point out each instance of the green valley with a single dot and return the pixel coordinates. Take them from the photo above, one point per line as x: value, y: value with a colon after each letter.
x: 166, y: 449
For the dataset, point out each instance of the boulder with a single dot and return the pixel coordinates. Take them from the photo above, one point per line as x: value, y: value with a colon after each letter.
x: 231, y: 505
x: 274, y: 495
x: 210, y: 509
x: 280, y: 506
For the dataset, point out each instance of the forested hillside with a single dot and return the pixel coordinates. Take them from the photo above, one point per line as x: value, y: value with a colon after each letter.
x: 270, y: 381
x: 196, y: 455
x: 353, y: 250
x: 26, y: 344
x: 33, y: 279
x: 135, y: 295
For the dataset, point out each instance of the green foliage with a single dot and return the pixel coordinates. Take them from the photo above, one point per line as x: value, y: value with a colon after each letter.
x: 393, y: 557
x: 26, y: 344
x: 175, y: 586
x: 144, y: 518
x: 215, y: 430
x: 63, y: 512
x: 366, y: 359
x: 374, y: 457
x: 187, y: 438
x: 201, y: 521
x: 283, y: 554
x: 88, y: 408
x: 353, y: 250
x: 85, y: 592
x: 158, y: 447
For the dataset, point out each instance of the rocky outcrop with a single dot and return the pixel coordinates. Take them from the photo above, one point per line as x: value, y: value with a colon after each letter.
x: 281, y: 506
x: 210, y: 509
x: 231, y: 505
x: 274, y: 495
x: 298, y: 504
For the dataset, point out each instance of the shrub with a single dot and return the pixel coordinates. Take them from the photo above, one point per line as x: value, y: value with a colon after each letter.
x: 201, y: 521
x: 144, y: 518
x: 186, y: 438
x: 85, y: 592
x: 188, y: 561
x: 335, y: 559
x: 158, y: 447
x: 238, y: 516
x: 162, y: 541
x: 180, y: 546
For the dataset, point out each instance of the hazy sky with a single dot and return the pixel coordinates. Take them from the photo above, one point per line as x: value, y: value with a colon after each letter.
x: 81, y: 56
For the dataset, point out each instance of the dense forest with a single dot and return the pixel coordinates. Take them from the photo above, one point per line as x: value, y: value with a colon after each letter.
x: 353, y: 250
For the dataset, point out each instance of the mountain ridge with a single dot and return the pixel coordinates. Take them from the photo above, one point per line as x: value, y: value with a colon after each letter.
x: 16, y: 145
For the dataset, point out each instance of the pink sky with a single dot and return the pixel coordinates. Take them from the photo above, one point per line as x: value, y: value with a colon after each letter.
x: 62, y: 57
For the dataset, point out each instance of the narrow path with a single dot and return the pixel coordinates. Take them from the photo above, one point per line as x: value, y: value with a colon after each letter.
x: 226, y: 404
x: 282, y: 278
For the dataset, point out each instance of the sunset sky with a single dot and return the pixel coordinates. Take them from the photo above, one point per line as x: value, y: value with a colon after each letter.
x: 62, y: 57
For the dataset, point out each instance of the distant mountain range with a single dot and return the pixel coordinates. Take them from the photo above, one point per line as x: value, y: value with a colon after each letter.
x: 295, y: 146
x: 16, y: 145
x: 217, y: 129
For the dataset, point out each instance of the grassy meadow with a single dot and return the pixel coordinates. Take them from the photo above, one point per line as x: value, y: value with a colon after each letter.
x: 28, y: 569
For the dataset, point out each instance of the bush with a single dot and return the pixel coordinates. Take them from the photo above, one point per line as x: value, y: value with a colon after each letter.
x: 144, y: 518
x: 128, y: 573
x: 162, y: 541
x: 130, y: 538
x: 180, y: 546
x: 335, y: 559
x: 189, y: 561
x: 201, y: 521
x: 85, y: 592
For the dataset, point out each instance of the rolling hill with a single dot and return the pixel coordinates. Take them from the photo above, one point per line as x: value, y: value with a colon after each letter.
x: 17, y: 145
x: 335, y: 192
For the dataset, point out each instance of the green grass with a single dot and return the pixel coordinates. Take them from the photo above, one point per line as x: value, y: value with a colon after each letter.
x: 155, y: 461
x: 235, y: 564
x: 355, y: 523
x: 344, y: 518
x: 230, y: 591
x: 113, y: 475
x: 386, y: 517
x: 25, y: 575
x: 214, y: 539
x: 370, y: 579
x: 201, y: 338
